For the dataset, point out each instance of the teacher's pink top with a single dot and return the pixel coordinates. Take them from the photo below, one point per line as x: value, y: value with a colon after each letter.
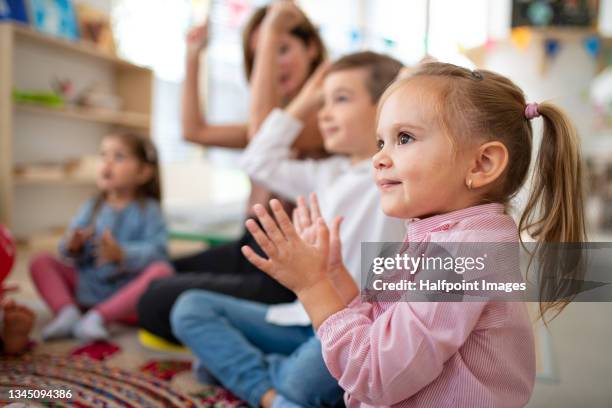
x: 436, y: 354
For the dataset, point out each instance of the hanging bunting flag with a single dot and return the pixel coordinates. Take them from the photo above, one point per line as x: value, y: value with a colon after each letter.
x: 521, y: 37
x: 552, y: 47
x: 237, y: 12
x: 592, y: 45
x: 355, y: 36
x: 389, y: 43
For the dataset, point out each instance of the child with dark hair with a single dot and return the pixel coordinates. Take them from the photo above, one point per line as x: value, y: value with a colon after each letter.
x: 116, y: 245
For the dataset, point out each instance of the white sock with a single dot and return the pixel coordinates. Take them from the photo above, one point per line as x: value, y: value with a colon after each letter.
x: 90, y: 327
x: 61, y: 326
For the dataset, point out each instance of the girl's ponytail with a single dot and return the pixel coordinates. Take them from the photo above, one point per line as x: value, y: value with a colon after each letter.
x: 554, y: 214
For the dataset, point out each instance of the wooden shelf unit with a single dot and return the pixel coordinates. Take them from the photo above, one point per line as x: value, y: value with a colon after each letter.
x: 30, y: 61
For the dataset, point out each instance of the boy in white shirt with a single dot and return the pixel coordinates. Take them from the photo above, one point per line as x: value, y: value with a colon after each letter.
x: 268, y: 355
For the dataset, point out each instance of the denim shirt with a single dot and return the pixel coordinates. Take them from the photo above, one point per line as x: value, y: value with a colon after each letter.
x: 139, y: 229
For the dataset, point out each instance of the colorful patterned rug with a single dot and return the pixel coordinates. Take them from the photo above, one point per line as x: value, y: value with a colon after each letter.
x: 94, y: 384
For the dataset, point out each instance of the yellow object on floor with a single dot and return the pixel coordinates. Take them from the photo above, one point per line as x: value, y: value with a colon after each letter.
x: 156, y: 343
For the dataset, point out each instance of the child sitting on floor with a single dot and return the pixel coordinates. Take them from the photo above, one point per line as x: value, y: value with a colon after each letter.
x: 454, y: 148
x: 116, y: 245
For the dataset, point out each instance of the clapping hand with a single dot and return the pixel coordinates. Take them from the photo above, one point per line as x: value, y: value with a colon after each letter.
x: 108, y: 249
x: 305, y: 222
x: 296, y: 263
x: 78, y: 238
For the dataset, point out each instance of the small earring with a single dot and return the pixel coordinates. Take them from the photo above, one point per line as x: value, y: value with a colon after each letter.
x: 469, y: 184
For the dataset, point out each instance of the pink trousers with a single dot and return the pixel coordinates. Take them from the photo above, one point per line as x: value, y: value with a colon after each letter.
x: 56, y: 281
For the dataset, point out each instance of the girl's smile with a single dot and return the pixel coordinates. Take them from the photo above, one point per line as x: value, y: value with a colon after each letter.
x: 385, y: 184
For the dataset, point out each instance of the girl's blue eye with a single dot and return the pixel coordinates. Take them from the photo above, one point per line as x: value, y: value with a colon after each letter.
x: 404, y: 138
x: 380, y: 144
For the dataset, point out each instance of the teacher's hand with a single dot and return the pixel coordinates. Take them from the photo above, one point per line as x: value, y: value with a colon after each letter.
x: 197, y: 39
x: 282, y: 16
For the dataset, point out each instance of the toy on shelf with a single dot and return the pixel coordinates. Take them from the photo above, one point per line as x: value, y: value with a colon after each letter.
x: 54, y: 17
x: 64, y: 94
x: 95, y: 28
x: 14, y: 10
x: 95, y: 96
x: 45, y: 98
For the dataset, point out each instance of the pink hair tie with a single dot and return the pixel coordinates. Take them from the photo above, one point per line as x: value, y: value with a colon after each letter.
x: 531, y: 111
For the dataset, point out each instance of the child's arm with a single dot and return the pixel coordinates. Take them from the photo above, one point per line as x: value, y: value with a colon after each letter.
x: 195, y: 127
x: 391, y: 358
x: 151, y: 246
x: 378, y: 361
x: 268, y: 158
x: 78, y: 230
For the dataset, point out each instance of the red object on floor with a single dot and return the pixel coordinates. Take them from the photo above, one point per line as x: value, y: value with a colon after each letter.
x: 131, y: 320
x: 165, y: 370
x: 7, y: 253
x: 97, y: 350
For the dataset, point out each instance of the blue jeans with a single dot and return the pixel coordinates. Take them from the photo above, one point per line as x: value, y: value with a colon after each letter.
x: 249, y: 355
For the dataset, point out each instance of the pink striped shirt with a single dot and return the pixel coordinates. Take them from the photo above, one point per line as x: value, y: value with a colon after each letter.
x: 436, y: 354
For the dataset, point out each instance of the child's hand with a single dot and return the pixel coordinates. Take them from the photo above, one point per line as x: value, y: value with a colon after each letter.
x: 109, y: 249
x: 305, y: 219
x: 305, y: 222
x: 197, y: 39
x: 310, y: 97
x: 78, y: 238
x: 282, y: 16
x: 296, y: 264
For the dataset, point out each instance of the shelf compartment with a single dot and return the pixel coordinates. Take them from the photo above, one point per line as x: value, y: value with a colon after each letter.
x: 125, y: 119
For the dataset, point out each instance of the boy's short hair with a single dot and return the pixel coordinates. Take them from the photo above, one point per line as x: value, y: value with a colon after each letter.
x: 382, y: 70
